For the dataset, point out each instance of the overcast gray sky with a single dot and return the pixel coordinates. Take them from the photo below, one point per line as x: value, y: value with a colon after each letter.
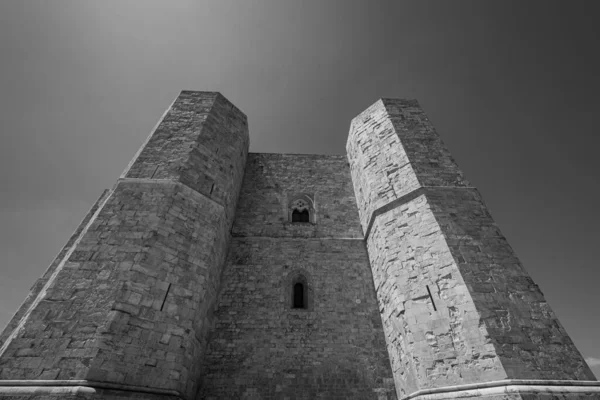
x: 511, y: 86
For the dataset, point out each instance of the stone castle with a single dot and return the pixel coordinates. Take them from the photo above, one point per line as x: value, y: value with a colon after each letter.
x: 208, y: 272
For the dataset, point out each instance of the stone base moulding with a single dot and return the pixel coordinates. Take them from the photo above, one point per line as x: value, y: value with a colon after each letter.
x: 66, y: 387
x: 510, y: 387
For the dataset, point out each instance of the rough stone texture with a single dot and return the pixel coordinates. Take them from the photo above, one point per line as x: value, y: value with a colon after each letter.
x: 428, y: 347
x: 527, y: 336
x: 201, y: 142
x: 261, y: 347
x: 272, y: 180
x: 180, y: 279
x: 526, y: 395
x: 41, y: 282
x: 78, y: 393
x: 132, y: 304
x: 393, y: 150
x: 457, y: 305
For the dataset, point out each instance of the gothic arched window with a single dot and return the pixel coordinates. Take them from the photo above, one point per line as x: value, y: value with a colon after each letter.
x: 300, y: 216
x: 301, y: 209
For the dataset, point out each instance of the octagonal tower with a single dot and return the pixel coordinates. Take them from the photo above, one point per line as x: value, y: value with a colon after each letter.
x: 461, y: 316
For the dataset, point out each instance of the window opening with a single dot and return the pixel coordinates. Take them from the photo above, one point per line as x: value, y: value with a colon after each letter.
x: 299, y: 295
x: 300, y: 216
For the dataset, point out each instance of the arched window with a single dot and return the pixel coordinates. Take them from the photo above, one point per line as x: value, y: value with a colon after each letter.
x: 301, y: 209
x: 299, y: 296
x: 300, y: 216
x: 299, y: 292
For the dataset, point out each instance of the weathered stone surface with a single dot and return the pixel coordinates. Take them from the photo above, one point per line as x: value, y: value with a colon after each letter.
x: 393, y: 150
x: 263, y: 348
x: 77, y: 389
x: 133, y: 300
x: 527, y: 336
x: 82, y: 394
x: 429, y: 346
x: 457, y: 305
x: 272, y: 181
x: 41, y: 282
x: 180, y: 282
x: 201, y: 142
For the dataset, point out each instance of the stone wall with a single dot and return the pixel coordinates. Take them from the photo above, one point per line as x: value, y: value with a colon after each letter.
x: 132, y: 301
x: 457, y: 306
x: 393, y: 150
x: 79, y: 390
x: 435, y: 336
x: 263, y: 348
x: 179, y: 281
x: 43, y: 280
x: 529, y: 340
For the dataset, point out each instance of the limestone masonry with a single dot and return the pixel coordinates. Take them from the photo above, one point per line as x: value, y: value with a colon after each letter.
x: 208, y: 272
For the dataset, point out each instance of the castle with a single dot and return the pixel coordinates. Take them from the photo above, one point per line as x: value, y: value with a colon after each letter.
x: 208, y: 272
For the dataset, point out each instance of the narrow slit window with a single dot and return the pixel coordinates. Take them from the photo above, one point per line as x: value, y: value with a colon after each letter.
x: 431, y: 297
x: 299, y: 295
x: 300, y: 216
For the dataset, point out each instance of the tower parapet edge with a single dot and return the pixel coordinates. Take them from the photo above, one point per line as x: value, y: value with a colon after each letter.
x: 457, y: 306
x: 126, y: 312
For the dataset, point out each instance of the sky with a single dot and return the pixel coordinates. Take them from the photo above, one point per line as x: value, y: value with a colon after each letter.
x: 512, y: 88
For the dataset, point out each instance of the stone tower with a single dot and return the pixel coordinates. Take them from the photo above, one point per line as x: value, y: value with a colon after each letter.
x: 208, y: 272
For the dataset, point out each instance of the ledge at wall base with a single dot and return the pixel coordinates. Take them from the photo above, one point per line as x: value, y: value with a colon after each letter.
x: 509, y: 386
x: 18, y: 387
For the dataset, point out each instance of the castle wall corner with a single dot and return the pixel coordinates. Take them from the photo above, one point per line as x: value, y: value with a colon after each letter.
x: 131, y: 302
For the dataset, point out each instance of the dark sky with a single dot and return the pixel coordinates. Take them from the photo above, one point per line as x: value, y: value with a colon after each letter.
x: 511, y: 86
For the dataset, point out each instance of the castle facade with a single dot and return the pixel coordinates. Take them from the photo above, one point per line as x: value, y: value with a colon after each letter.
x: 208, y: 272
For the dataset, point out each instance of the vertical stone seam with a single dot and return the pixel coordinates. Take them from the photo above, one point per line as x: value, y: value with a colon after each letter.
x: 209, y: 316
x: 482, y: 325
x: 186, y: 163
x: 143, y: 146
x: 52, y: 277
x: 246, y: 143
x: 435, y: 134
x: 409, y: 158
x: 387, y: 345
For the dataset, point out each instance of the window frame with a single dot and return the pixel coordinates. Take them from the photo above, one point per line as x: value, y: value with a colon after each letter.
x: 299, y: 203
x: 302, y: 277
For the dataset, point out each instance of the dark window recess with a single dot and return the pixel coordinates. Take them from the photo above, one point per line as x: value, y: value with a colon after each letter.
x: 298, y: 295
x: 300, y: 216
